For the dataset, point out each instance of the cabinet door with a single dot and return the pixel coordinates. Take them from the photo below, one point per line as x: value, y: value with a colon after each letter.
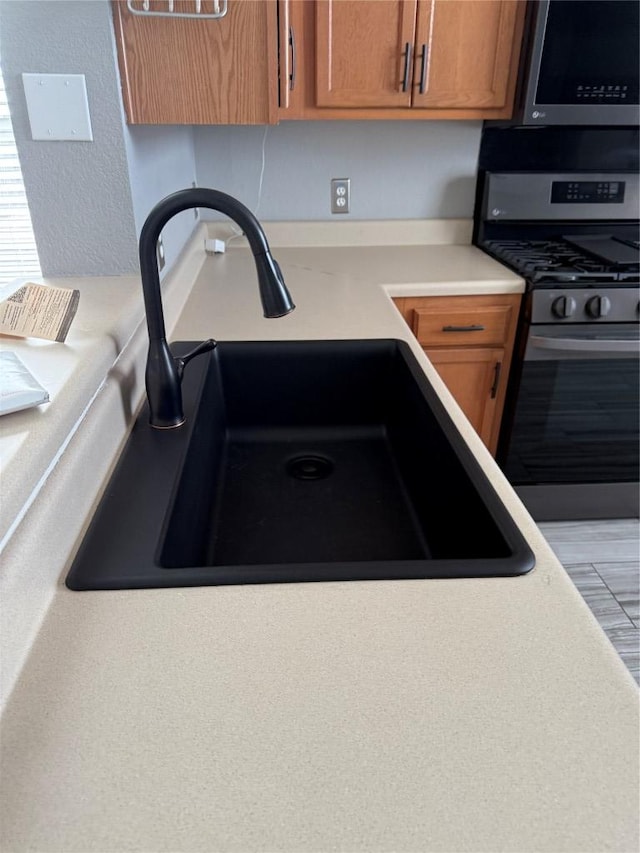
x: 464, y: 53
x: 297, y: 57
x: 364, y: 52
x: 194, y: 71
x: 474, y: 378
x: 469, y: 340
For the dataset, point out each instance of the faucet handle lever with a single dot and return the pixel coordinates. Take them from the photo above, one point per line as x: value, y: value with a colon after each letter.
x: 182, y: 361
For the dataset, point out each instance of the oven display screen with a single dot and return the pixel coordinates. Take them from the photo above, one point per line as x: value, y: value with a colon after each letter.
x: 587, y: 192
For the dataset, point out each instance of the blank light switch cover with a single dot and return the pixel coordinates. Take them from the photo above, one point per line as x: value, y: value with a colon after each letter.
x: 58, y: 107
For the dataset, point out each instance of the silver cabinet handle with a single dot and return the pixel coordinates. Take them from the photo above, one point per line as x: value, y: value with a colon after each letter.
x: 581, y: 345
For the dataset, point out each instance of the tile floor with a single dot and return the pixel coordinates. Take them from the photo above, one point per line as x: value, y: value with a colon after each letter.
x: 603, y: 560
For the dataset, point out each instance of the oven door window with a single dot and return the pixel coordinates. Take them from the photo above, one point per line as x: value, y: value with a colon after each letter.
x: 576, y: 417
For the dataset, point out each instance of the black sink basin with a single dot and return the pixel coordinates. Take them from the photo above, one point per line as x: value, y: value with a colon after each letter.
x: 299, y: 461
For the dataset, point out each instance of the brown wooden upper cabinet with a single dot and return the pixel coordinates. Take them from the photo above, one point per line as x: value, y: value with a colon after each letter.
x: 179, y: 70
x: 363, y: 53
x: 400, y: 58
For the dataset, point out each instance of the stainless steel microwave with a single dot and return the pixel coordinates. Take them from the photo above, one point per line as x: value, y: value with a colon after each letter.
x: 583, y: 66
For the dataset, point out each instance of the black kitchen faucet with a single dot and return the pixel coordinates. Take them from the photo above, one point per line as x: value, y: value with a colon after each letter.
x: 163, y: 376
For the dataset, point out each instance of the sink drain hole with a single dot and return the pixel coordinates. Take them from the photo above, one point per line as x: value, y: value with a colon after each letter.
x: 309, y: 467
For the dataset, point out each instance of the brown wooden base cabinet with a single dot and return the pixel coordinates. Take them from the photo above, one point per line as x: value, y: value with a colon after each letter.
x: 469, y: 340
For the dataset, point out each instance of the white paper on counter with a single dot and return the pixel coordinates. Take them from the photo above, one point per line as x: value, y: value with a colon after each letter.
x: 19, y: 389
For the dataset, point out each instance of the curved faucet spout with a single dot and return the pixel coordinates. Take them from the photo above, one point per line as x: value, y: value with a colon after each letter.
x: 164, y: 372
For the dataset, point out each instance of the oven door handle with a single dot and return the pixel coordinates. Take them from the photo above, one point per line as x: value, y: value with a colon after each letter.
x: 582, y: 345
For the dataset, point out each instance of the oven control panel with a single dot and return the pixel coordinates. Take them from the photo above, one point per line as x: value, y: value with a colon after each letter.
x: 587, y: 192
x: 585, y: 305
x: 530, y: 196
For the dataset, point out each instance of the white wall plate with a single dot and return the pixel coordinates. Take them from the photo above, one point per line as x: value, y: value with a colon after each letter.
x: 58, y: 107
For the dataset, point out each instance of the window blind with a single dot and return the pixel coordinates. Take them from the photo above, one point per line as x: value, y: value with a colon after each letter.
x: 18, y: 255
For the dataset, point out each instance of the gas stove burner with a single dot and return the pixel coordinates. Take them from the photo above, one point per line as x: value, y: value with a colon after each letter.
x: 557, y: 260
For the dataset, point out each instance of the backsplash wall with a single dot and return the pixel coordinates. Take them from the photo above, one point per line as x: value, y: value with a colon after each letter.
x: 398, y: 170
x: 161, y: 161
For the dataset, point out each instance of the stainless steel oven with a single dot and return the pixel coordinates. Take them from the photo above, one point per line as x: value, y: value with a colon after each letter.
x: 582, y: 67
x: 570, y: 440
x: 570, y: 436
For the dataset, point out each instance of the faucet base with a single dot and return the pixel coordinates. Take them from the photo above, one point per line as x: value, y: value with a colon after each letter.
x: 171, y: 426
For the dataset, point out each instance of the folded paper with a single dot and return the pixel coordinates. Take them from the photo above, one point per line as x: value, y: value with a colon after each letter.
x: 39, y: 311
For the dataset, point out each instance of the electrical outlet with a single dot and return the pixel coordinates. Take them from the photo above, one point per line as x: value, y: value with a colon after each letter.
x: 160, y: 253
x: 340, y: 195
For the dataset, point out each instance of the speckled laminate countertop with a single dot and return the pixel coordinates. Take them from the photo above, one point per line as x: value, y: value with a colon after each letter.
x: 446, y: 715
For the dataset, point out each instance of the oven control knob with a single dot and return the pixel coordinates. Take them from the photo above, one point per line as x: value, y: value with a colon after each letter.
x: 598, y: 306
x: 563, y: 306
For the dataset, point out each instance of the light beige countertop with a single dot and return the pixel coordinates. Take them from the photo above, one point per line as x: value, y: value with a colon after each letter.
x: 108, y: 313
x: 435, y: 715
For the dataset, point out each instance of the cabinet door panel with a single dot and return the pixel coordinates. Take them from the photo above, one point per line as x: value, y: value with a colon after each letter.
x: 473, y: 364
x: 469, y: 46
x: 473, y: 376
x: 297, y: 57
x: 360, y: 51
x: 190, y: 71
